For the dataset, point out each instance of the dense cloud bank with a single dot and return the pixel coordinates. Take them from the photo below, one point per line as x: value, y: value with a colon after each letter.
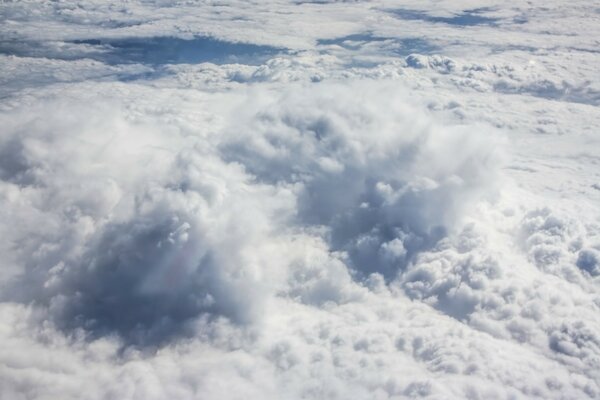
x: 287, y: 216
x: 196, y: 231
x: 383, y: 179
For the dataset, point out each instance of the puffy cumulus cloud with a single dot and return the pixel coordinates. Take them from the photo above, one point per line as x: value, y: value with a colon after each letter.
x: 561, y: 244
x: 139, y: 229
x: 379, y: 175
x: 122, y: 228
x: 382, y: 345
x: 514, y: 296
x: 337, y: 221
x: 314, y: 241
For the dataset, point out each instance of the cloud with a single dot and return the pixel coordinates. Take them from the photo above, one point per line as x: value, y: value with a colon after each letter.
x: 276, y: 233
x: 142, y: 252
x: 125, y: 250
x: 383, y: 179
x: 298, y: 200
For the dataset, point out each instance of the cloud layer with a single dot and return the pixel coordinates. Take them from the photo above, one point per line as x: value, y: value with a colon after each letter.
x: 208, y: 201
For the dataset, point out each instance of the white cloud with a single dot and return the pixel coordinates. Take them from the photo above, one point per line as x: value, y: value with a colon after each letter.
x: 349, y: 213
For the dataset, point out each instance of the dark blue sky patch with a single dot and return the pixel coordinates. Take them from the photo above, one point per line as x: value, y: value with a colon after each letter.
x: 172, y: 50
x: 471, y: 17
x: 149, y: 51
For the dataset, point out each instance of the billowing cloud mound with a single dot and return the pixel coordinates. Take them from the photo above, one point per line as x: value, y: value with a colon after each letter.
x: 151, y: 250
x: 121, y: 249
x: 376, y: 173
x: 299, y: 200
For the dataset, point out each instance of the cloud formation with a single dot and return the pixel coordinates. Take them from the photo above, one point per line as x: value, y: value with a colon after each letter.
x: 379, y: 175
x: 349, y: 200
